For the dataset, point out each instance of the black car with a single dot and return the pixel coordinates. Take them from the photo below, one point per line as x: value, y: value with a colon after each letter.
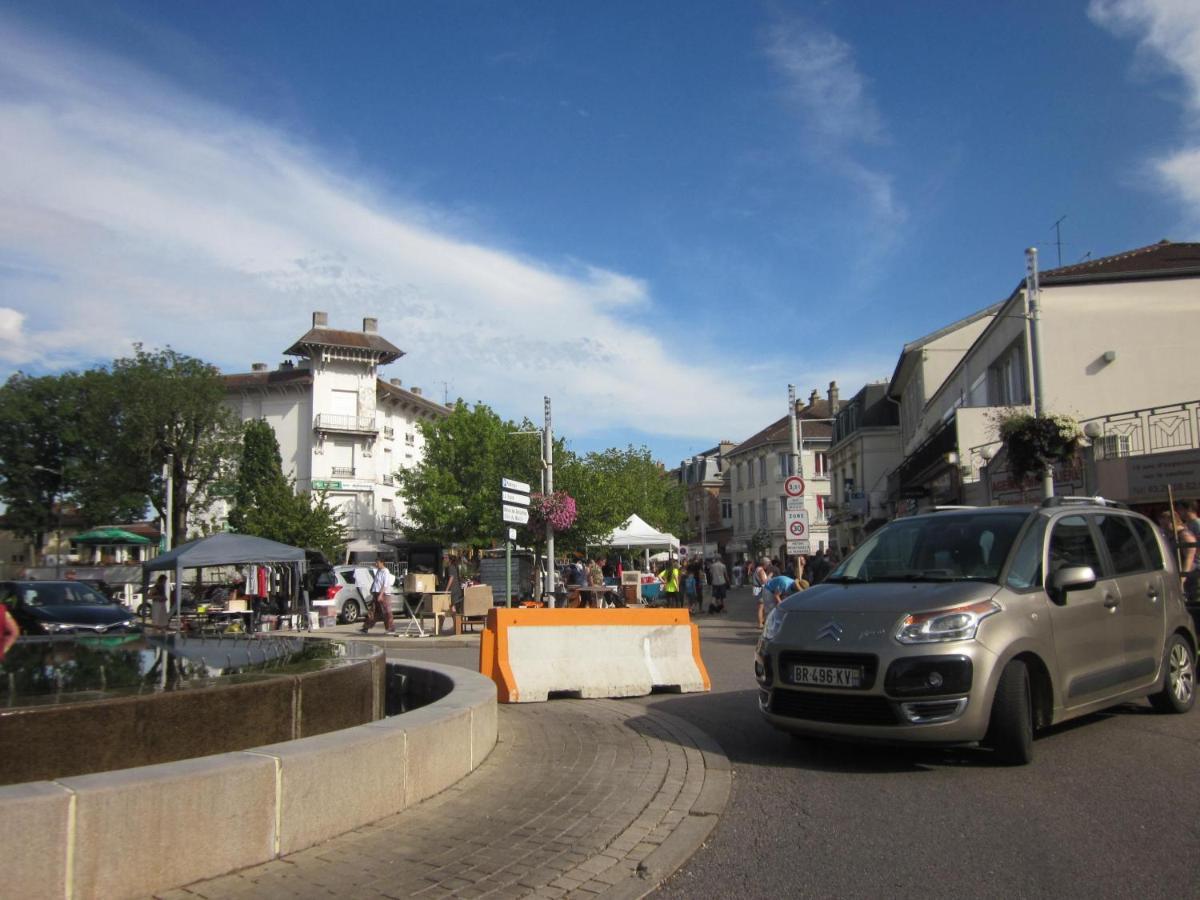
x: 64, y: 607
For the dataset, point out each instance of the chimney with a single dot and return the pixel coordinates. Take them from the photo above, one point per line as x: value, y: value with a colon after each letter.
x: 370, y: 326
x: 813, y: 397
x: 320, y: 320
x: 286, y: 364
x: 833, y: 398
x: 395, y: 381
x: 258, y: 367
x: 415, y: 390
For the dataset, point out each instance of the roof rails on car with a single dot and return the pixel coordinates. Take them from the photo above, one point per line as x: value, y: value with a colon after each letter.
x: 1082, y: 501
x: 951, y: 508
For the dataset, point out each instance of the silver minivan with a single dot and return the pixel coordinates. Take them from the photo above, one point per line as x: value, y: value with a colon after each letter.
x: 981, y: 626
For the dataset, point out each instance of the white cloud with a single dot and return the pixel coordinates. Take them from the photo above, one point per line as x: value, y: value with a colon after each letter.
x: 1168, y: 34
x: 131, y: 210
x: 832, y: 99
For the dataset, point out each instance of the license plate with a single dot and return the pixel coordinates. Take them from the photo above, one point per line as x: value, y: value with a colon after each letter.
x: 827, y: 676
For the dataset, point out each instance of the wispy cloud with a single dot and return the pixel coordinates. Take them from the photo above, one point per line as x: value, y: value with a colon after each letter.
x: 132, y: 210
x: 1168, y: 35
x: 832, y: 100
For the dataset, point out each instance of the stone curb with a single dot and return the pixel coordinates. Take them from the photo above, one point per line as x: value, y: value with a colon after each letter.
x: 715, y: 777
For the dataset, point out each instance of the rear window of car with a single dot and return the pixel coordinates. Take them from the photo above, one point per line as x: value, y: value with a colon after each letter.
x: 1150, y: 544
x: 1123, y: 545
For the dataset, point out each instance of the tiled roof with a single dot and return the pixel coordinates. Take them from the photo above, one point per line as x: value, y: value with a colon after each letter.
x: 387, y: 389
x: 779, y: 431
x: 268, y: 379
x: 348, y: 340
x: 1164, y: 257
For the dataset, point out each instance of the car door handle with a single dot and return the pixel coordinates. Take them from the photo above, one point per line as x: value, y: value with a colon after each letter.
x: 1111, y: 602
x: 1152, y: 594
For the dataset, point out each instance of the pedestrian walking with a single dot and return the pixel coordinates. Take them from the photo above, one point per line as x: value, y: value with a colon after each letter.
x: 381, y: 600
x: 670, y: 580
x: 689, y: 588
x: 720, y: 583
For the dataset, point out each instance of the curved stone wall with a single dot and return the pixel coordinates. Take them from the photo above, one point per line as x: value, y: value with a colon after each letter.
x: 136, y: 831
x: 55, y: 741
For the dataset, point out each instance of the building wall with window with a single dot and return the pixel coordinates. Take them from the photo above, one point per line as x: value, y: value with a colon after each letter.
x: 758, y: 468
x: 341, y: 427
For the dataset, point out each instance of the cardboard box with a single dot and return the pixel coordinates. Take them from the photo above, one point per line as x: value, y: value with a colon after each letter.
x: 415, y: 583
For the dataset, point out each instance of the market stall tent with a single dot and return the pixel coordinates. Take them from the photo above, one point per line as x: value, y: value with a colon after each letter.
x: 635, y: 532
x: 223, y: 549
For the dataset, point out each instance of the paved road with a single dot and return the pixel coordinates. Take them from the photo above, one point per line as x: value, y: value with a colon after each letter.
x: 1109, y: 807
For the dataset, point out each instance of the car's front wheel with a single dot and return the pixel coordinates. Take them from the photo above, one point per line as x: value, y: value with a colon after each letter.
x: 1178, y: 692
x: 351, y: 611
x: 1010, y: 731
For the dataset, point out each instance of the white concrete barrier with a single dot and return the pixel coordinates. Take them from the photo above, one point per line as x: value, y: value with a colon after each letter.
x: 531, y: 653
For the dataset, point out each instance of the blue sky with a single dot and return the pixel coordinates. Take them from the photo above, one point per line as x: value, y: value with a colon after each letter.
x: 659, y: 214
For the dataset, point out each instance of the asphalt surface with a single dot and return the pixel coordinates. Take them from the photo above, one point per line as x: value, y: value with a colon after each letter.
x: 1110, y: 806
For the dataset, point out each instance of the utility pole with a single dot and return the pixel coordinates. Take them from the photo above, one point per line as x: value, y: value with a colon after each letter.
x: 797, y: 458
x: 548, y: 456
x: 1033, y: 300
x: 169, y: 485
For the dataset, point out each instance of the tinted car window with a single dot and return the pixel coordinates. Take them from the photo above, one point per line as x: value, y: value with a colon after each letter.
x: 1026, y: 569
x: 1071, y: 544
x: 1123, y: 546
x: 1145, y: 531
x: 58, y: 594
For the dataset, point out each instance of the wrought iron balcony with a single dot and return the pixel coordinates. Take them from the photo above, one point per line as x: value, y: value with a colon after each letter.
x: 389, y: 432
x: 348, y: 424
x: 342, y: 471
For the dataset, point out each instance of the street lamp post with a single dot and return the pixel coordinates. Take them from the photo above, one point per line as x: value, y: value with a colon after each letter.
x: 1033, y: 294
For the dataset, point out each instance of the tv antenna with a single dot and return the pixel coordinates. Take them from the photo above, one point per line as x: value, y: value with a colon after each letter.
x: 445, y: 394
x: 1057, y: 226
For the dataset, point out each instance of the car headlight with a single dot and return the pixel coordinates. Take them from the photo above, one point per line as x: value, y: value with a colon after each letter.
x: 959, y: 623
x: 773, y: 624
x: 57, y: 627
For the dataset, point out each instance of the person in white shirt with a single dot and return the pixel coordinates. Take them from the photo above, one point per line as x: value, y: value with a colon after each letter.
x: 381, y: 597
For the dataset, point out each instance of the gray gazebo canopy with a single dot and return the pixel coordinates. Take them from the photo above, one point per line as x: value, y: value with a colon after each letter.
x: 222, y: 549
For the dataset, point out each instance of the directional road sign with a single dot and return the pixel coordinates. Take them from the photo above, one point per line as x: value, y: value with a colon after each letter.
x: 517, y: 499
x: 793, y: 486
x: 509, y: 485
x: 517, y: 515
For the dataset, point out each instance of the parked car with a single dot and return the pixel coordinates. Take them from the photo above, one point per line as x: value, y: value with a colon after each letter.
x: 337, y: 583
x: 64, y: 607
x: 982, y: 625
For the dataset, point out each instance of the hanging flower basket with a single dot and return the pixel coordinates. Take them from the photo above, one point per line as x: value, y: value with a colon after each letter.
x: 1035, y: 443
x: 556, y: 509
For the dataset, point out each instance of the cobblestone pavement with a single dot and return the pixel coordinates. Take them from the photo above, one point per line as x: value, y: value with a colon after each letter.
x: 580, y: 798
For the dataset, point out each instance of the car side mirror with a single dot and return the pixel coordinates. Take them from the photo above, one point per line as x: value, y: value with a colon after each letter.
x: 1072, y: 578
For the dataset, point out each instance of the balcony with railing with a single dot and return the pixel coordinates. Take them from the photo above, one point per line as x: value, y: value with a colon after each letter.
x: 389, y: 432
x: 387, y: 479
x: 1158, y: 429
x: 345, y: 424
x: 342, y: 471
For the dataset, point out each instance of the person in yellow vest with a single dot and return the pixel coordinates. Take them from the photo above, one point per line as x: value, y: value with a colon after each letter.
x: 670, y: 579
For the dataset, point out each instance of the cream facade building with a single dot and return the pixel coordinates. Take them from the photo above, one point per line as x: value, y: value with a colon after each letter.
x: 342, y: 426
x: 1117, y: 339
x: 865, y: 449
x: 757, y: 469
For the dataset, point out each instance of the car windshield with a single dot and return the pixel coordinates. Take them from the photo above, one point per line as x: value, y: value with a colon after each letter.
x: 943, y: 547
x: 57, y: 593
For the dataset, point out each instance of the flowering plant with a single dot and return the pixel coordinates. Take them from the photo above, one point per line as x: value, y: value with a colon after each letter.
x: 556, y: 509
x: 1035, y: 443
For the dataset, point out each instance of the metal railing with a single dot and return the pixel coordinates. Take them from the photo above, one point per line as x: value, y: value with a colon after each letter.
x: 1157, y: 429
x: 386, y: 479
x: 342, y: 471
x: 358, y: 424
x: 389, y: 432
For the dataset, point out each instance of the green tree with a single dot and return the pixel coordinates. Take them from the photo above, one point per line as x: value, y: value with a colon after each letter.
x: 266, y: 504
x: 148, y: 409
x: 40, y: 452
x: 453, y: 494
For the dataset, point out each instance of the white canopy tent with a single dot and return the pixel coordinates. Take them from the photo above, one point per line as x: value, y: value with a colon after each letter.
x: 636, y: 533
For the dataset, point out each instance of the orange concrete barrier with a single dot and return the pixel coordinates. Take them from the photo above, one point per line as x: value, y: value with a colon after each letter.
x: 531, y: 653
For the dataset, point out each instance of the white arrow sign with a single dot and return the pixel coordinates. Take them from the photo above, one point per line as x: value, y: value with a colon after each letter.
x: 517, y: 515
x: 518, y: 499
x: 509, y: 485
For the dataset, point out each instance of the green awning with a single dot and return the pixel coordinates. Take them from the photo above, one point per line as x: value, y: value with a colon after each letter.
x: 110, y: 536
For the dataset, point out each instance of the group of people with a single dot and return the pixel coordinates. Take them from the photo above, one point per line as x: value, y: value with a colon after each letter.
x: 687, y: 586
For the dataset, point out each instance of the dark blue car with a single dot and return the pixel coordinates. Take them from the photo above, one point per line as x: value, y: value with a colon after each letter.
x: 64, y: 607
